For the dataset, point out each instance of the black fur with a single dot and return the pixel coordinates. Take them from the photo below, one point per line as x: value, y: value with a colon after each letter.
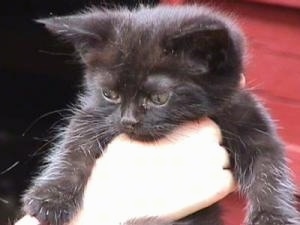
x: 190, y: 56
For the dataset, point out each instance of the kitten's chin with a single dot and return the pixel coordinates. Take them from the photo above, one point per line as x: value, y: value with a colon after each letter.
x: 154, y: 133
x: 144, y: 137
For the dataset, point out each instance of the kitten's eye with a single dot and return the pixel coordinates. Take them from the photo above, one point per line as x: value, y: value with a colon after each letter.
x: 160, y: 99
x: 110, y: 95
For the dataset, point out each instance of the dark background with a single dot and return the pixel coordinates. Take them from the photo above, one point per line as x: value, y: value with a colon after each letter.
x: 38, y: 75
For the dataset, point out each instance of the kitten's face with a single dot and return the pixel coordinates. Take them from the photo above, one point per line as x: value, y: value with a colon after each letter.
x: 150, y: 105
x: 150, y: 70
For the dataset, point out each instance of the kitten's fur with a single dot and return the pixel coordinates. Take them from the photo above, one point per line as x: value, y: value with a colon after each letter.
x: 195, y: 56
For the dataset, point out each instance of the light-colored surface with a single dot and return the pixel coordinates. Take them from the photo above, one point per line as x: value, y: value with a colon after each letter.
x: 141, y: 180
x: 27, y: 220
x: 170, y: 178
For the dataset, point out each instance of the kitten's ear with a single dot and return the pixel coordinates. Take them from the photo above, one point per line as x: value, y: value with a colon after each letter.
x: 208, y: 43
x: 199, y: 36
x: 83, y: 30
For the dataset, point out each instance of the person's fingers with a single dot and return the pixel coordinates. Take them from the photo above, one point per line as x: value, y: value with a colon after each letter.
x: 227, y: 179
x: 203, y: 197
x: 221, y: 157
x: 242, y: 81
x: 27, y: 220
x: 167, y: 169
x: 209, y: 128
x: 204, y: 129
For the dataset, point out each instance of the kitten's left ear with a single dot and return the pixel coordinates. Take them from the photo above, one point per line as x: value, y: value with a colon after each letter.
x: 207, y: 43
x: 81, y: 30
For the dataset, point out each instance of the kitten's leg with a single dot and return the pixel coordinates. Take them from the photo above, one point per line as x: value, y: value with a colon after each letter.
x: 260, y: 168
x: 56, y: 194
x: 259, y: 163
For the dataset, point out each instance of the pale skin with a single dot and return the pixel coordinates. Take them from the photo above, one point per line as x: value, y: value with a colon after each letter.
x: 134, y: 179
x: 143, y: 182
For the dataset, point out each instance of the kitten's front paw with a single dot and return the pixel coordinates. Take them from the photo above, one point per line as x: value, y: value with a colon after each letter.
x: 50, y: 207
x: 267, y: 218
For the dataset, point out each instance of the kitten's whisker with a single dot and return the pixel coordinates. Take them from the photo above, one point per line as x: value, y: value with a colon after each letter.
x: 10, y: 167
x: 100, y: 147
x: 55, y: 53
x: 253, y: 85
x: 36, y: 152
x: 42, y: 117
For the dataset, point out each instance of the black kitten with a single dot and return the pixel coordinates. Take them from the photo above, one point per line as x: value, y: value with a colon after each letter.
x: 147, y: 72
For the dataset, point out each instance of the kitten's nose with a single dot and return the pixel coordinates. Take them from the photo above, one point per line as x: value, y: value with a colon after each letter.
x: 129, y: 122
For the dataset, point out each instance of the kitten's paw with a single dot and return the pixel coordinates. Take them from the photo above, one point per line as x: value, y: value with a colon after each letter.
x: 49, y: 207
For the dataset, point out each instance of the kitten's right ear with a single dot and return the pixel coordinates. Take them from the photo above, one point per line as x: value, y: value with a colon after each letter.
x: 82, y: 30
x: 208, y: 45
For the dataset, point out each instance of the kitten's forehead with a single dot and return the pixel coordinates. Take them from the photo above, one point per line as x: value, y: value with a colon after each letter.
x: 139, y: 35
x: 159, y: 80
x: 137, y: 48
x: 137, y: 80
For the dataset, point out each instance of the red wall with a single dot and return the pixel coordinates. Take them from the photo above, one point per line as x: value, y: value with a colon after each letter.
x: 273, y: 72
x: 273, y: 69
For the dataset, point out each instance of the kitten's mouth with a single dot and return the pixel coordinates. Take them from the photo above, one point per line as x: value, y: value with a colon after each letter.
x: 143, y: 136
x: 137, y: 135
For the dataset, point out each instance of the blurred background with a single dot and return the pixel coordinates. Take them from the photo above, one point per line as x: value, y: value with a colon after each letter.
x: 39, y: 78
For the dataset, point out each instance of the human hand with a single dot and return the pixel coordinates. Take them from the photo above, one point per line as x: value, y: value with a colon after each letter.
x: 170, y: 178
